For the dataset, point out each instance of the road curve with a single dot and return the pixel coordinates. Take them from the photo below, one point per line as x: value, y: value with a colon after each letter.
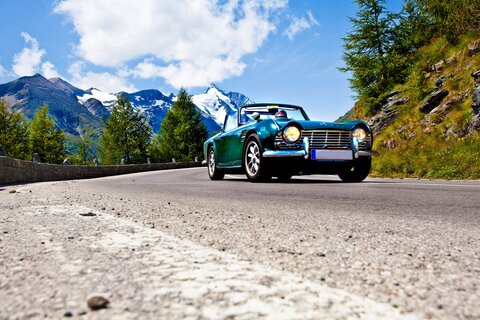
x: 399, y: 248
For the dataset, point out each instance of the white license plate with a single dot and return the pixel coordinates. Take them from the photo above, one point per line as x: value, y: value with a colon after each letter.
x: 332, y: 155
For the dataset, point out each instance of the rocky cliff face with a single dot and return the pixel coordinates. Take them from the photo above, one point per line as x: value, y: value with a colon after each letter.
x: 430, y: 125
x: 475, y: 124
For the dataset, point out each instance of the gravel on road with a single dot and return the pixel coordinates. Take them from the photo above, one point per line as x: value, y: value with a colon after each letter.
x: 147, y: 241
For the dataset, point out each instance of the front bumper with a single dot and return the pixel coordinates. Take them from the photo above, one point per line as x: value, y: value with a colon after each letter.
x: 305, y: 152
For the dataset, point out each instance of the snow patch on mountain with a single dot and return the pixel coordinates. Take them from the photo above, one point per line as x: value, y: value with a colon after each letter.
x: 214, y: 104
x: 107, y: 99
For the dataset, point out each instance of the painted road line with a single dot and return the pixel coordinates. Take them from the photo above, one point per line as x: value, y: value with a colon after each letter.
x: 161, y: 275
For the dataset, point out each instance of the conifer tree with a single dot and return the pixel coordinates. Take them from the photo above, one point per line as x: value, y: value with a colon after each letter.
x: 86, y: 146
x: 13, y: 132
x: 126, y: 135
x: 182, y: 132
x: 415, y: 28
x: 44, y: 138
x: 453, y: 17
x: 367, y: 47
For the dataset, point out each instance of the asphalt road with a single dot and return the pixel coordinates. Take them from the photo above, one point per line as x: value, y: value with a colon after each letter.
x: 410, y: 246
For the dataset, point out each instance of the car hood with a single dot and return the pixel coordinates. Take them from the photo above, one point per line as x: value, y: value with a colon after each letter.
x: 313, y: 125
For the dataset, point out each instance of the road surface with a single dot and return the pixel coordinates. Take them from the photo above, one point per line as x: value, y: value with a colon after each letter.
x: 173, y: 244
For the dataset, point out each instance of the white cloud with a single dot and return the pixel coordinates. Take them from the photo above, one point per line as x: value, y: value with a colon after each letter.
x: 195, y: 42
x: 191, y: 74
x: 29, y: 61
x: 103, y: 81
x: 49, y: 71
x: 3, y: 72
x: 146, y: 70
x: 301, y: 24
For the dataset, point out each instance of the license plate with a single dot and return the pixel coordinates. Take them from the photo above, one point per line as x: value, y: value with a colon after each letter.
x: 332, y: 155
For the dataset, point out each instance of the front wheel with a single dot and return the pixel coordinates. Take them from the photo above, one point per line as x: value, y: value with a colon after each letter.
x: 357, y: 172
x: 213, y: 172
x: 254, y: 162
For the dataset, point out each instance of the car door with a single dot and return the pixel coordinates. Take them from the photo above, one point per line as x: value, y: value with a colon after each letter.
x: 230, y: 143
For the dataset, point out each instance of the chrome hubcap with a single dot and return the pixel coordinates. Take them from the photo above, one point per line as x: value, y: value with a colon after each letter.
x: 253, y: 159
x: 211, y: 163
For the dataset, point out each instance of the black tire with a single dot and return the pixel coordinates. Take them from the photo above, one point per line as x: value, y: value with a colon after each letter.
x: 253, y: 161
x: 357, y: 172
x: 213, y: 172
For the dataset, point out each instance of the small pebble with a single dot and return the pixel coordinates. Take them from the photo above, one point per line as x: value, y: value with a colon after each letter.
x: 89, y: 214
x: 97, y: 303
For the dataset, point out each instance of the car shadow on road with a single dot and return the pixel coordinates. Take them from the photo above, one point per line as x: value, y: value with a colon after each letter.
x: 292, y: 181
x: 300, y: 180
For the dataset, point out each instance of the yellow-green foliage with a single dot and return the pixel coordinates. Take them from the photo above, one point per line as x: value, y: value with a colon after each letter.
x: 409, y: 148
x: 432, y: 157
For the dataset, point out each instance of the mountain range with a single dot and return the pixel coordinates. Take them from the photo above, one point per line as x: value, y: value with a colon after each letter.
x: 74, y: 109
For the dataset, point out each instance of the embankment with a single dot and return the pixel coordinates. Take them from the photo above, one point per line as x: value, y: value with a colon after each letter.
x: 14, y: 171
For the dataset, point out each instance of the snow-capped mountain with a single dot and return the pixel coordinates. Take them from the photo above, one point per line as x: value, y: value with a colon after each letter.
x: 214, y: 103
x: 28, y: 94
x: 73, y: 107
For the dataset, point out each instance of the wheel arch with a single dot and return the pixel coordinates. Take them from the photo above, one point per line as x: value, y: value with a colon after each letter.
x: 250, y: 133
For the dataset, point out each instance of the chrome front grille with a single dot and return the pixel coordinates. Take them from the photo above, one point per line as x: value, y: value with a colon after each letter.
x: 321, y: 139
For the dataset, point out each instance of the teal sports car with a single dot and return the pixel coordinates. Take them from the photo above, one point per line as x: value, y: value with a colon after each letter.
x: 266, y: 140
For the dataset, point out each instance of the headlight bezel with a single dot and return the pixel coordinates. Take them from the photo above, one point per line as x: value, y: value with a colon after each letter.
x: 291, y: 134
x: 360, y: 133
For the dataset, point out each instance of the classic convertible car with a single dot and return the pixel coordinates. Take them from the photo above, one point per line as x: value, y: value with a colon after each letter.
x: 263, y: 140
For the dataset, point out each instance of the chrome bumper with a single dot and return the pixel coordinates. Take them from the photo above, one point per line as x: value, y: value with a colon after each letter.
x: 283, y: 153
x: 289, y: 153
x: 306, y: 152
x: 369, y: 153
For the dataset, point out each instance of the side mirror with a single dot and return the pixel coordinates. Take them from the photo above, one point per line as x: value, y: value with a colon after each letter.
x: 256, y: 116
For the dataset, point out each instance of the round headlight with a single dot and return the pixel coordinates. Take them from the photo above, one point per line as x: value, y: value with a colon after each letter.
x: 360, y: 134
x: 291, y: 134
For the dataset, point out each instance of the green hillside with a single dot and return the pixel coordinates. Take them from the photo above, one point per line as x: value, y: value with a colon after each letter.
x: 426, y: 121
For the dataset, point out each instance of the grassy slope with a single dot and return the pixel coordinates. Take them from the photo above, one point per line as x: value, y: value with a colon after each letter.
x: 409, y: 148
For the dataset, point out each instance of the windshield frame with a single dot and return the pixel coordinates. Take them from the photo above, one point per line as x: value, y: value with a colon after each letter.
x: 269, y: 109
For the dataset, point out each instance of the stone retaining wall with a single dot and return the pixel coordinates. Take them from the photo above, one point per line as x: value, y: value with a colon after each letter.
x: 14, y: 171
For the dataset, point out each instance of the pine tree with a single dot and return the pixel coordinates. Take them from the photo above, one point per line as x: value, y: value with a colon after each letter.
x: 44, y: 139
x: 415, y: 28
x: 453, y: 17
x: 13, y: 132
x: 86, y: 146
x: 367, y: 48
x: 126, y: 135
x: 182, y: 132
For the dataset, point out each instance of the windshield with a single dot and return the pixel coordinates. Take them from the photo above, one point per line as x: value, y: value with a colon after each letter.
x: 272, y: 112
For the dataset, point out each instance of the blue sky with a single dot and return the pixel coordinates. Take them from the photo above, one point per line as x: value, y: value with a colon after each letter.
x: 271, y: 50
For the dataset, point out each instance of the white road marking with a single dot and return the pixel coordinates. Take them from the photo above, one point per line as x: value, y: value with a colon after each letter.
x: 399, y: 182
x: 423, y: 184
x: 178, y: 278
x: 237, y: 177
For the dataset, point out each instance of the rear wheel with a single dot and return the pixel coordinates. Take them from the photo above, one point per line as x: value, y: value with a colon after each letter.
x: 255, y: 168
x: 357, y: 172
x: 213, y: 172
